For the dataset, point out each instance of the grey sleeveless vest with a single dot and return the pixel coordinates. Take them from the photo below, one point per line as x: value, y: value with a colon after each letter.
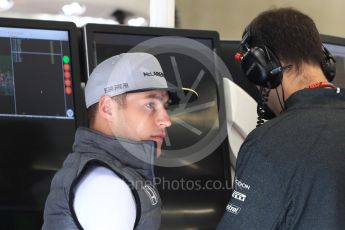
x: 121, y: 156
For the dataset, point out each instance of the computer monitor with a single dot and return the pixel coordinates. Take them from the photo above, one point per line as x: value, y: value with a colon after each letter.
x: 187, y: 203
x: 41, y: 105
x: 336, y: 47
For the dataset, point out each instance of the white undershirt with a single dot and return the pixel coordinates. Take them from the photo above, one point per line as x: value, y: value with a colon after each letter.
x: 104, y: 201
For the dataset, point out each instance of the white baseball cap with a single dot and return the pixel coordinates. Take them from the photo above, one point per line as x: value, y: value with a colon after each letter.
x: 129, y: 72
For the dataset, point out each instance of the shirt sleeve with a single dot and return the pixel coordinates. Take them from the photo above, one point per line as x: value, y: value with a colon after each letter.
x: 258, y: 198
x: 104, y: 201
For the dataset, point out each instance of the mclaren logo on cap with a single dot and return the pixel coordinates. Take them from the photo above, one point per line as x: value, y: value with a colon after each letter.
x: 153, y: 74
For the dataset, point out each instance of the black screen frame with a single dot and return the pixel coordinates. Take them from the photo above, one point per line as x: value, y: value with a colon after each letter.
x: 70, y: 27
x: 90, y: 29
x: 332, y: 40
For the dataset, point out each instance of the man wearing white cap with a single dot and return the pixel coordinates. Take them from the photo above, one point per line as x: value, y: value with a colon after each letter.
x: 107, y: 182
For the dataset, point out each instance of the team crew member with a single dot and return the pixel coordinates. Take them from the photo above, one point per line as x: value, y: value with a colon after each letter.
x: 290, y: 171
x: 107, y: 182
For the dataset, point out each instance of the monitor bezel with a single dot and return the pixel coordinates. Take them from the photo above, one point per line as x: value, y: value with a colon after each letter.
x: 91, y: 28
x: 71, y: 28
x: 333, y: 40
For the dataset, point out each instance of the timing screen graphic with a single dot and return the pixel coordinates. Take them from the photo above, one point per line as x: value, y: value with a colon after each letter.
x: 35, y: 74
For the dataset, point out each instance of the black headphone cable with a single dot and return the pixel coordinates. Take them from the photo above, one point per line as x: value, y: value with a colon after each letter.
x: 261, y: 111
x: 282, y: 104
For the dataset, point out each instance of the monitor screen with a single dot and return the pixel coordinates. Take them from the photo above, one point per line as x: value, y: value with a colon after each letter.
x: 41, y: 106
x: 195, y: 124
x: 336, y: 47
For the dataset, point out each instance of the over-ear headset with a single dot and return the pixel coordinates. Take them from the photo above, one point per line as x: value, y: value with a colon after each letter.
x: 263, y: 68
x: 328, y: 65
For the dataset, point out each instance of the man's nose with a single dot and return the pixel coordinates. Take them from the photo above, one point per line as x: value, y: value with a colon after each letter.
x: 164, y: 119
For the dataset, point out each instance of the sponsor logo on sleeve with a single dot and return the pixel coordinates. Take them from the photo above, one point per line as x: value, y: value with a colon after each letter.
x: 239, y: 196
x: 241, y: 184
x: 233, y: 209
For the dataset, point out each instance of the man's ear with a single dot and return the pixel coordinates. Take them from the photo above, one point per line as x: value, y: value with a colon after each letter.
x: 106, y: 107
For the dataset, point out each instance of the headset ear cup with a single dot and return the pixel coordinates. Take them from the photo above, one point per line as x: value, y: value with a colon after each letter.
x: 258, y: 63
x: 275, y: 70
x: 328, y: 65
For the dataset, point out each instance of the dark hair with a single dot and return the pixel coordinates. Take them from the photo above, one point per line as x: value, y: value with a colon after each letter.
x: 92, y: 110
x: 290, y: 34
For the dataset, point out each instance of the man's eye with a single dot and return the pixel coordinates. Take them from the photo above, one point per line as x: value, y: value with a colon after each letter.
x: 150, y: 105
